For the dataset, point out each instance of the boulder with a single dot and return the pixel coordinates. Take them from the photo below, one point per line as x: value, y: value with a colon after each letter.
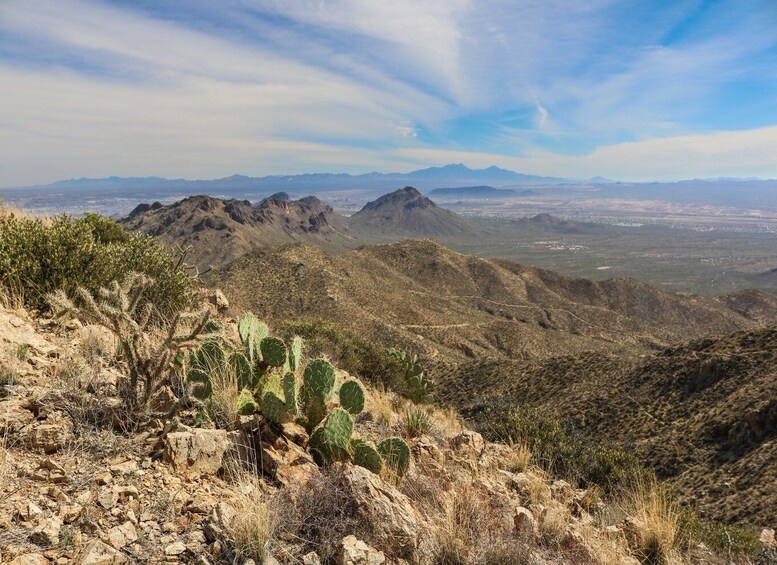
x: 388, y: 512
x: 30, y: 559
x: 525, y: 524
x: 354, y: 551
x: 52, y: 434
x: 219, y: 521
x: 98, y: 553
x: 468, y: 444
x: 767, y: 537
x: 196, y: 453
x: 122, y: 535
x: 311, y: 558
x: 46, y: 533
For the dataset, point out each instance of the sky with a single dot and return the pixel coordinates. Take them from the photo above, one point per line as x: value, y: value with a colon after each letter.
x: 631, y: 90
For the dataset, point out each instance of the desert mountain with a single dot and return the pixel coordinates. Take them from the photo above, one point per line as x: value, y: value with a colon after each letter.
x: 482, y: 191
x: 218, y: 231
x: 456, y: 307
x: 598, y: 354
x: 703, y: 414
x: 407, y: 212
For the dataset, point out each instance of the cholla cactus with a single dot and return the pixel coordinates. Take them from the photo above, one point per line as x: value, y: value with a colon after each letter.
x: 119, y: 309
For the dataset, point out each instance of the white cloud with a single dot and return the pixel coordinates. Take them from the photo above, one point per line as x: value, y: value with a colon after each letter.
x: 724, y: 153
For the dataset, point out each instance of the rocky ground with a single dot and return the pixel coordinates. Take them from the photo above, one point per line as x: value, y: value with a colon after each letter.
x: 77, y: 486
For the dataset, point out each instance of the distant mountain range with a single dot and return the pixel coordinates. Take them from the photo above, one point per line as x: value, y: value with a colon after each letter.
x: 431, y: 177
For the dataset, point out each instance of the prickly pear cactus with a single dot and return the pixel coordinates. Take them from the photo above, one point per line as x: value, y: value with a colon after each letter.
x: 273, y: 351
x: 202, y: 362
x: 332, y: 441
x: 290, y: 393
x: 318, y: 383
x: 295, y: 354
x: 319, y: 379
x: 246, y: 377
x: 252, y: 332
x: 396, y: 454
x: 418, y: 387
x: 366, y: 455
x: 246, y: 405
x: 352, y: 397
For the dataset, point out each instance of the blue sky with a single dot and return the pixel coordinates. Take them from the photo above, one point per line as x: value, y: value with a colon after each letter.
x: 630, y: 89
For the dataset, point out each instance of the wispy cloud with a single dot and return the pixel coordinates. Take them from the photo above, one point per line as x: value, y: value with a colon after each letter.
x: 99, y: 87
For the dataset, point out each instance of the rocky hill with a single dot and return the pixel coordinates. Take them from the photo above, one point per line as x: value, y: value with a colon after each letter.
x: 408, y: 213
x: 218, y: 231
x: 81, y: 486
x: 550, y: 223
x: 456, y: 307
x: 703, y: 414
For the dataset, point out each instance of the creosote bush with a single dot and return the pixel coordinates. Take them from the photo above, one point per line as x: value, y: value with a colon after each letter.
x: 38, y: 257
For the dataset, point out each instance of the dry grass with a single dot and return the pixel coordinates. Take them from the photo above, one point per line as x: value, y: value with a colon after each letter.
x: 253, y: 529
x: 539, y: 491
x: 554, y: 524
x: 5, y: 460
x: 381, y: 404
x: 96, y: 344
x: 518, y: 459
x: 11, y: 296
x: 656, y: 519
x: 446, y: 422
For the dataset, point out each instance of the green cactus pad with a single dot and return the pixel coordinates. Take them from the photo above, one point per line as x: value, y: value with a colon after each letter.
x: 319, y: 379
x: 274, y: 408
x: 202, y: 388
x: 366, y: 455
x: 246, y: 405
x: 295, y: 353
x: 290, y: 393
x: 273, y: 351
x: 212, y: 327
x: 315, y: 410
x: 352, y: 397
x: 251, y: 332
x: 395, y: 453
x: 338, y: 428
x: 243, y: 371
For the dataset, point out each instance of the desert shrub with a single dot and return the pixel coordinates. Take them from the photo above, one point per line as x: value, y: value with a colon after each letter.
x: 723, y: 539
x: 322, y: 513
x: 39, y: 257
x: 348, y: 351
x: 560, y: 451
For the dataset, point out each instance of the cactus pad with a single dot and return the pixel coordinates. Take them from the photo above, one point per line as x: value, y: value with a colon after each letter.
x: 273, y: 351
x: 246, y: 405
x: 352, y: 397
x: 295, y: 353
x: 365, y: 455
x: 319, y: 379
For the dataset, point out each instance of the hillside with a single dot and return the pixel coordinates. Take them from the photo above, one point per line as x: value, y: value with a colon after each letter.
x: 702, y: 414
x: 407, y: 212
x: 482, y: 191
x: 550, y: 223
x: 83, y: 486
x: 218, y: 231
x: 456, y: 306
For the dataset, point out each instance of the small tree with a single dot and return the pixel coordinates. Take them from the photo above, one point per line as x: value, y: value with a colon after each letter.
x: 121, y: 309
